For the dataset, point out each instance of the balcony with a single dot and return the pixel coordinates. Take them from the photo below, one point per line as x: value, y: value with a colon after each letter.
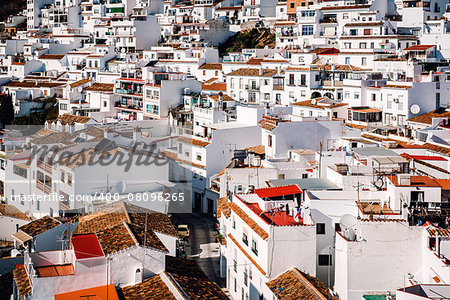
x: 251, y: 87
x: 43, y: 187
x: 44, y: 166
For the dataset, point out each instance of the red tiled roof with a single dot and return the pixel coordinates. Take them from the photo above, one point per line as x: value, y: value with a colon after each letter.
x: 278, y: 191
x: 22, y: 281
x: 417, y: 181
x: 249, y: 221
x: 193, y: 142
x: 419, y: 47
x: 211, y: 67
x: 297, y: 285
x: 445, y: 183
x: 57, y: 270
x: 192, y: 280
x: 150, y: 288
x: 217, y: 86
x: 52, y: 56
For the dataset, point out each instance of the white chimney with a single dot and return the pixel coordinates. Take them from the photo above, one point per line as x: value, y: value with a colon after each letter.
x: 137, y: 134
x: 109, y: 134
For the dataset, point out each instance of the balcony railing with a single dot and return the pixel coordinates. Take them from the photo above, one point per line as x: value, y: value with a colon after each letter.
x: 43, y: 187
x: 44, y: 166
x: 251, y: 87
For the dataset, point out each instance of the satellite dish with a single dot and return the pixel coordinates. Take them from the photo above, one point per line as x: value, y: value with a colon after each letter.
x: 123, y: 50
x: 348, y: 222
x: 415, y: 109
x: 80, y: 89
x: 120, y: 187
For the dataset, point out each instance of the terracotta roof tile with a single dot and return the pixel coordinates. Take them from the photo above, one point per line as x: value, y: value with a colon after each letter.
x: 13, y: 212
x: 115, y: 238
x: 56, y: 270
x: 22, y: 281
x: 427, y: 118
x: 101, y: 87
x: 39, y: 226
x: 297, y: 285
x: 32, y: 84
x: 70, y: 119
x: 216, y: 86
x: 260, y: 149
x: 52, y: 56
x: 190, y: 277
x: 79, y: 82
x: 249, y: 221
x: 125, y: 212
x: 150, y: 288
x: 193, y: 142
x: 211, y: 67
x: 419, y: 47
x: 254, y: 72
x: 223, y: 207
x: 436, y: 148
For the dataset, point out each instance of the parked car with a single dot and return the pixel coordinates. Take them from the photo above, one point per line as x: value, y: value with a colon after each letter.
x: 183, y: 231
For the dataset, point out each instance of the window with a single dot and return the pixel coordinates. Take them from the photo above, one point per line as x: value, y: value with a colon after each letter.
x: 305, y: 175
x: 362, y: 45
x: 363, y: 61
x: 235, y: 285
x: 180, y: 148
x: 353, y: 32
x: 374, y: 97
x: 356, y: 95
x: 345, y: 16
x: 63, y: 106
x: 234, y: 223
x: 347, y: 60
x: 105, y: 103
x: 269, y: 142
x: 63, y: 175
x: 292, y: 5
x: 347, y: 95
x: 367, y: 31
x: 245, y: 238
x: 199, y: 157
x: 347, y: 45
x: 320, y: 228
x: 324, y: 260
x: 307, y: 30
x: 255, y: 247
x: 69, y: 179
x: 303, y: 79
x: 438, y: 100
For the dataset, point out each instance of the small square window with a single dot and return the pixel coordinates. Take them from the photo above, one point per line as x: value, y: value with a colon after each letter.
x: 324, y: 260
x: 320, y: 228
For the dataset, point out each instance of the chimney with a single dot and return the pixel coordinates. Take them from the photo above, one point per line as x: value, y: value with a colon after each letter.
x: 137, y: 134
x: 109, y: 134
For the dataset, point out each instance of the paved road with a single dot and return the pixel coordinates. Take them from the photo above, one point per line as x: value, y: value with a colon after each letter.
x: 202, y: 246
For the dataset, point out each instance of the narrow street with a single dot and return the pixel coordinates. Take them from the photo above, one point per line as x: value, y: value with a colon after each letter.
x: 202, y: 246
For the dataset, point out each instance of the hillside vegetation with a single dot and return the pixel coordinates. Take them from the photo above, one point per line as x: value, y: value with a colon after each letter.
x: 254, y: 38
x: 11, y: 8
